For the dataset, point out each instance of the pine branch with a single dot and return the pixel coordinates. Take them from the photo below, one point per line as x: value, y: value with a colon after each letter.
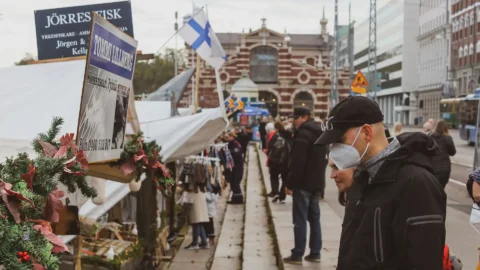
x: 50, y: 136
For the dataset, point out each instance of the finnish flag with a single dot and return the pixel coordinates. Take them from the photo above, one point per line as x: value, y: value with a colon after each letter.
x: 198, y: 33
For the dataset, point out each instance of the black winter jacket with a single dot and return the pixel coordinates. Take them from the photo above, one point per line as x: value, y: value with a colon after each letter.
x: 307, y: 160
x: 287, y: 136
x: 397, y: 221
x: 446, y: 149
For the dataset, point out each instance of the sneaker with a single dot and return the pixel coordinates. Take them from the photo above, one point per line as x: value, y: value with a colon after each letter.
x: 293, y: 260
x: 205, y: 245
x: 271, y: 194
x: 276, y: 199
x: 312, y: 258
x: 282, y: 201
x: 192, y: 247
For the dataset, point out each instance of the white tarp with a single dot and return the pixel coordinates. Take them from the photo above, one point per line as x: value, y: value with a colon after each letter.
x: 32, y: 95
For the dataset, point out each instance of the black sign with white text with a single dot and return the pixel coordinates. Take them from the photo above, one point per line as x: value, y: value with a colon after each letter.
x: 65, y: 32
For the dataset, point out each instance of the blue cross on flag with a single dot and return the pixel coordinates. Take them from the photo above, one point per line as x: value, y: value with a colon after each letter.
x: 198, y: 33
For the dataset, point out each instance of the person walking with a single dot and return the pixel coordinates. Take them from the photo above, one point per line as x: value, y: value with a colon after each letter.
x: 263, y: 132
x: 308, y: 164
x: 441, y: 161
x: 397, y: 129
x: 237, y: 172
x: 278, y: 161
x: 395, y: 216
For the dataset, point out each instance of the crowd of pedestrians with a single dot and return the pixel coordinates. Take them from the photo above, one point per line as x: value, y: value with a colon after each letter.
x: 395, y: 203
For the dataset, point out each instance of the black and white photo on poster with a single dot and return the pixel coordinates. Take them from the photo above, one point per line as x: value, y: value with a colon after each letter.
x: 120, y: 123
x: 107, y: 88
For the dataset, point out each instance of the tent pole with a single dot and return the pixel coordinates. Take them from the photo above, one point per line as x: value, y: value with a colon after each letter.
x: 197, y: 84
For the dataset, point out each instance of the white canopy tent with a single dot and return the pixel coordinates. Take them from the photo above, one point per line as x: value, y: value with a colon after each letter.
x: 33, y: 95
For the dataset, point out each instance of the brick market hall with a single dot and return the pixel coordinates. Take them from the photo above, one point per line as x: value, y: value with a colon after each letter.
x: 284, y: 70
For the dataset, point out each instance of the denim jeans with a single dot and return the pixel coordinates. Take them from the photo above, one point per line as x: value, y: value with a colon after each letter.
x: 306, y: 208
x: 198, y: 230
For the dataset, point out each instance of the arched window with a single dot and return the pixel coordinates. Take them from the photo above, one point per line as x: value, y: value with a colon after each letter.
x: 270, y: 100
x: 470, y: 51
x: 460, y: 52
x: 478, y: 14
x: 303, y: 99
x: 461, y: 23
x: 264, y: 64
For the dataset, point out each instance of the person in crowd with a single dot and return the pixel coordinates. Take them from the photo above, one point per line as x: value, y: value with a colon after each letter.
x: 278, y: 152
x: 343, y: 179
x: 263, y: 132
x: 244, y: 139
x: 395, y: 216
x: 197, y: 215
x: 307, y: 168
x: 237, y: 173
x: 211, y: 196
x: 428, y: 126
x: 441, y: 161
x: 397, y: 129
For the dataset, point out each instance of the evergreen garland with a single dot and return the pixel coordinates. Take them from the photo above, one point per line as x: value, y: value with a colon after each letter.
x: 141, y: 157
x: 26, y: 188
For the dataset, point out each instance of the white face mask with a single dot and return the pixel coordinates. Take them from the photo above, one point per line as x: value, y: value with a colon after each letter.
x: 346, y: 156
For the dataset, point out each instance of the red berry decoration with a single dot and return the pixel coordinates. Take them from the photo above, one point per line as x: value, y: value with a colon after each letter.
x: 23, y: 256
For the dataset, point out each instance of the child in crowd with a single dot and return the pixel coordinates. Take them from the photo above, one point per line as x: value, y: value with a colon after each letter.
x: 197, y: 212
x: 211, y: 198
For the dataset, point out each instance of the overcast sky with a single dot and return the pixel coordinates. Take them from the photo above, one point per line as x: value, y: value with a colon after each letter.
x: 153, y: 19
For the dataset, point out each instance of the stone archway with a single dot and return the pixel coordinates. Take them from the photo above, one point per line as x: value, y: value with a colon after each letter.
x: 271, y: 100
x: 304, y: 99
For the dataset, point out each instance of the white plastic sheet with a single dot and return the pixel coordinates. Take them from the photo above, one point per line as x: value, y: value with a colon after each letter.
x: 32, y: 95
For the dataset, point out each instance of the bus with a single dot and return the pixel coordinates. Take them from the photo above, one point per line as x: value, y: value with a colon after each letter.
x: 449, y: 111
x: 468, y: 117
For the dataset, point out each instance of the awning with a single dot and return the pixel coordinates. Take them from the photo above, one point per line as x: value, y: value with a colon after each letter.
x: 176, y: 85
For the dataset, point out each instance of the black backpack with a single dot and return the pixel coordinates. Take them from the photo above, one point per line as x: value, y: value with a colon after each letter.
x: 280, y: 152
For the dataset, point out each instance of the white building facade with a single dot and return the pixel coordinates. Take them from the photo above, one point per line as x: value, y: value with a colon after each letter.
x: 397, y: 58
x: 434, y: 57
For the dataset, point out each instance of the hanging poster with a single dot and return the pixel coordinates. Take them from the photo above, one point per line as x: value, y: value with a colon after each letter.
x: 106, y: 89
x: 64, y: 32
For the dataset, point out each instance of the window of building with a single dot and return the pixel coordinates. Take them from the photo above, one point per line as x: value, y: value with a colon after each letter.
x: 264, y: 64
x: 303, y: 99
x: 465, y: 50
x: 460, y: 52
x: 478, y: 15
x: 472, y: 18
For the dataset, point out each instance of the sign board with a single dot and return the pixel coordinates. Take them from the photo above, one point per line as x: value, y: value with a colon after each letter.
x: 64, y: 32
x: 359, y: 80
x: 106, y: 91
x: 359, y: 90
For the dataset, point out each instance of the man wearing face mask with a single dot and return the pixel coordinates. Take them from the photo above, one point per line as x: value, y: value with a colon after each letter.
x: 395, y: 218
x: 306, y: 182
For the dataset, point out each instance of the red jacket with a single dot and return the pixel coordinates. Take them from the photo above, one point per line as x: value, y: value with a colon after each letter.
x: 270, y: 135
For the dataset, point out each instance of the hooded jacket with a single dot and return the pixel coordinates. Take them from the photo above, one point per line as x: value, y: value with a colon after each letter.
x: 397, y: 221
x: 307, y: 160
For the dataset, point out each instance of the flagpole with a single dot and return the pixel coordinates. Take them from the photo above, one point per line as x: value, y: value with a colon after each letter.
x: 197, y: 84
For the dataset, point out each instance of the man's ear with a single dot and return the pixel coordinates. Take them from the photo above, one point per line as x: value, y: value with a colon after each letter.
x: 368, y: 131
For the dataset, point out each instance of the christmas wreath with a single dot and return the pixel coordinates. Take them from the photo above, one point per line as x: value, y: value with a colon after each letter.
x: 141, y: 157
x: 30, y: 199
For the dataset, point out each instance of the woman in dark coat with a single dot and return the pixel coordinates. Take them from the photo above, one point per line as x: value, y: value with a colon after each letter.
x: 441, y: 162
x: 278, y: 170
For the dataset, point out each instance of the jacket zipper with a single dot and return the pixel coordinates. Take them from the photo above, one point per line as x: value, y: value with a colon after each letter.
x: 377, y: 236
x: 426, y: 219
